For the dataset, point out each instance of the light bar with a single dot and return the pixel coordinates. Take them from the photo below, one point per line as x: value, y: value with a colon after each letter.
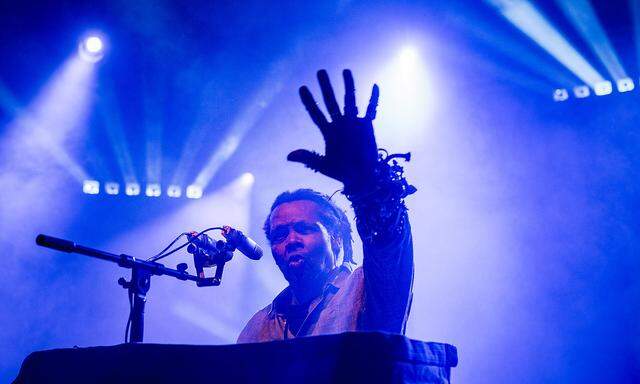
x: 91, y: 187
x: 112, y: 188
x: 560, y: 94
x: 625, y: 84
x: 174, y: 191
x: 132, y: 189
x: 194, y: 192
x: 581, y: 91
x: 603, y: 88
x: 153, y: 190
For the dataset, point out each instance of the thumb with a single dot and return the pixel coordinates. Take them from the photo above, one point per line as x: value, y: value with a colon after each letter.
x: 310, y: 159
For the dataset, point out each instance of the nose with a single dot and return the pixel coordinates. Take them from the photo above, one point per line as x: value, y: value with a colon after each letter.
x: 293, y: 241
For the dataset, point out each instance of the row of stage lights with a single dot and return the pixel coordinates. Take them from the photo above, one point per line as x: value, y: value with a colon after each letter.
x: 91, y: 49
x: 600, y: 89
x: 92, y: 187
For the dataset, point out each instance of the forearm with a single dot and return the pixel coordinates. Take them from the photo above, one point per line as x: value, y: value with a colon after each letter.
x: 388, y: 281
x: 383, y: 225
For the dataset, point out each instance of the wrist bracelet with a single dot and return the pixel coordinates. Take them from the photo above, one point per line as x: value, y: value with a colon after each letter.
x: 380, y: 210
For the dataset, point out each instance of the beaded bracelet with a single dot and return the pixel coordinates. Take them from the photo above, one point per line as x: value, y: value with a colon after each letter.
x: 380, y: 211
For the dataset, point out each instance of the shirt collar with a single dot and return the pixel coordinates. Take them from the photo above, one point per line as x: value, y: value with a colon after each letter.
x: 336, y: 279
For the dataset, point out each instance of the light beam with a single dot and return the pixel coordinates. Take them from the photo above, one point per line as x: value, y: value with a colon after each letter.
x: 584, y: 19
x: 111, y: 118
x: 54, y: 120
x: 523, y: 15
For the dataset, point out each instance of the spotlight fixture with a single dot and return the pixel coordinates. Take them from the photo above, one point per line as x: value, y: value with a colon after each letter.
x: 603, y: 88
x: 560, y: 94
x: 112, y: 188
x: 247, y: 179
x: 91, y: 49
x: 625, y: 84
x: 132, y: 189
x: 581, y: 91
x: 153, y: 190
x: 174, y: 191
x: 194, y: 191
x: 91, y: 187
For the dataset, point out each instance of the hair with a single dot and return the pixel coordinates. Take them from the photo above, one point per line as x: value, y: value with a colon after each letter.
x: 331, y: 216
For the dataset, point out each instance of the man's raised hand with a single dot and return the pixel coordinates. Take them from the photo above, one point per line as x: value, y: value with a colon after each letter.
x: 350, y: 145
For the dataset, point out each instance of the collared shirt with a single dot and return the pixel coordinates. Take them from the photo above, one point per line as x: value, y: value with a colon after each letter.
x: 374, y: 297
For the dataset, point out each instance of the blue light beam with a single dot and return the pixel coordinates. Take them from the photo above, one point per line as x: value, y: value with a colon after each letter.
x: 523, y: 15
x: 584, y: 19
x: 111, y: 118
x: 635, y: 13
x: 248, y: 116
x: 54, y: 120
x: 154, y: 128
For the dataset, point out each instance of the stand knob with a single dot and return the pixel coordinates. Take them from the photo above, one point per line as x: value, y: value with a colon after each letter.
x: 125, y: 284
x: 182, y: 267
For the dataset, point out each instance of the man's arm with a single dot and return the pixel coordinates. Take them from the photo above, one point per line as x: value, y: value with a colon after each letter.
x: 385, y: 231
x: 376, y: 188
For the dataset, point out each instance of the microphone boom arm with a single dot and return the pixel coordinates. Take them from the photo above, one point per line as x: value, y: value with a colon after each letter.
x: 141, y: 272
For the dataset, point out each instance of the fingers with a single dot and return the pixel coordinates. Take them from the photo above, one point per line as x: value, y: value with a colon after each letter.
x: 328, y: 95
x: 373, y: 103
x: 310, y: 104
x: 350, y: 108
x: 308, y: 158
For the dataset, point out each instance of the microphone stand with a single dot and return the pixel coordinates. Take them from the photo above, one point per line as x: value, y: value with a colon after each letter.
x: 141, y: 272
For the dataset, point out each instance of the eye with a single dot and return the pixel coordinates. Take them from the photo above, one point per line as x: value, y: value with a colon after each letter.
x: 305, y: 228
x: 278, y: 234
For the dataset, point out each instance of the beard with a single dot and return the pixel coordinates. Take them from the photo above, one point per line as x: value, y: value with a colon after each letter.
x: 310, y: 270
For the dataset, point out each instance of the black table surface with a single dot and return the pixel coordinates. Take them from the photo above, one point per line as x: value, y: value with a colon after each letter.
x: 352, y: 357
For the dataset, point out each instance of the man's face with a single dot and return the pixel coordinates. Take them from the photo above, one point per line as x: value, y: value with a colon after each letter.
x: 300, y: 244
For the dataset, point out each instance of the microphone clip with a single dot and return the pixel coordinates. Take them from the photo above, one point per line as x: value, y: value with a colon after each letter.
x: 209, y: 253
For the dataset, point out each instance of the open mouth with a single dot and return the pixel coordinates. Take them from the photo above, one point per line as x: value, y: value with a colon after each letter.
x: 295, y: 259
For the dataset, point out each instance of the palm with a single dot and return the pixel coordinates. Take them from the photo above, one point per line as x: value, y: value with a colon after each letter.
x: 350, y: 145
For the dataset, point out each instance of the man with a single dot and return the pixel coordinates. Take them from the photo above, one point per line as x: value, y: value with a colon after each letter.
x: 310, y: 237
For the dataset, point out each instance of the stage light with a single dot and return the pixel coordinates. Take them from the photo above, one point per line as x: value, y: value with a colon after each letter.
x: 153, y: 190
x: 581, y: 91
x: 603, y: 88
x: 247, y: 179
x: 91, y: 187
x: 408, y: 57
x: 407, y: 82
x: 91, y: 49
x: 132, y: 189
x: 560, y: 94
x: 194, y: 192
x: 112, y: 188
x: 174, y: 191
x: 93, y: 44
x: 625, y: 84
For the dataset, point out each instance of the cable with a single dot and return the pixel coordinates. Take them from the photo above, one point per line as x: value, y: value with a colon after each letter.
x: 153, y: 258
x: 126, y: 331
x: 334, y: 193
x: 159, y: 256
x: 162, y: 255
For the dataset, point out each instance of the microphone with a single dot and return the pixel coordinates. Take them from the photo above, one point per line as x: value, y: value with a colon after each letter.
x: 242, y: 243
x: 203, y: 241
